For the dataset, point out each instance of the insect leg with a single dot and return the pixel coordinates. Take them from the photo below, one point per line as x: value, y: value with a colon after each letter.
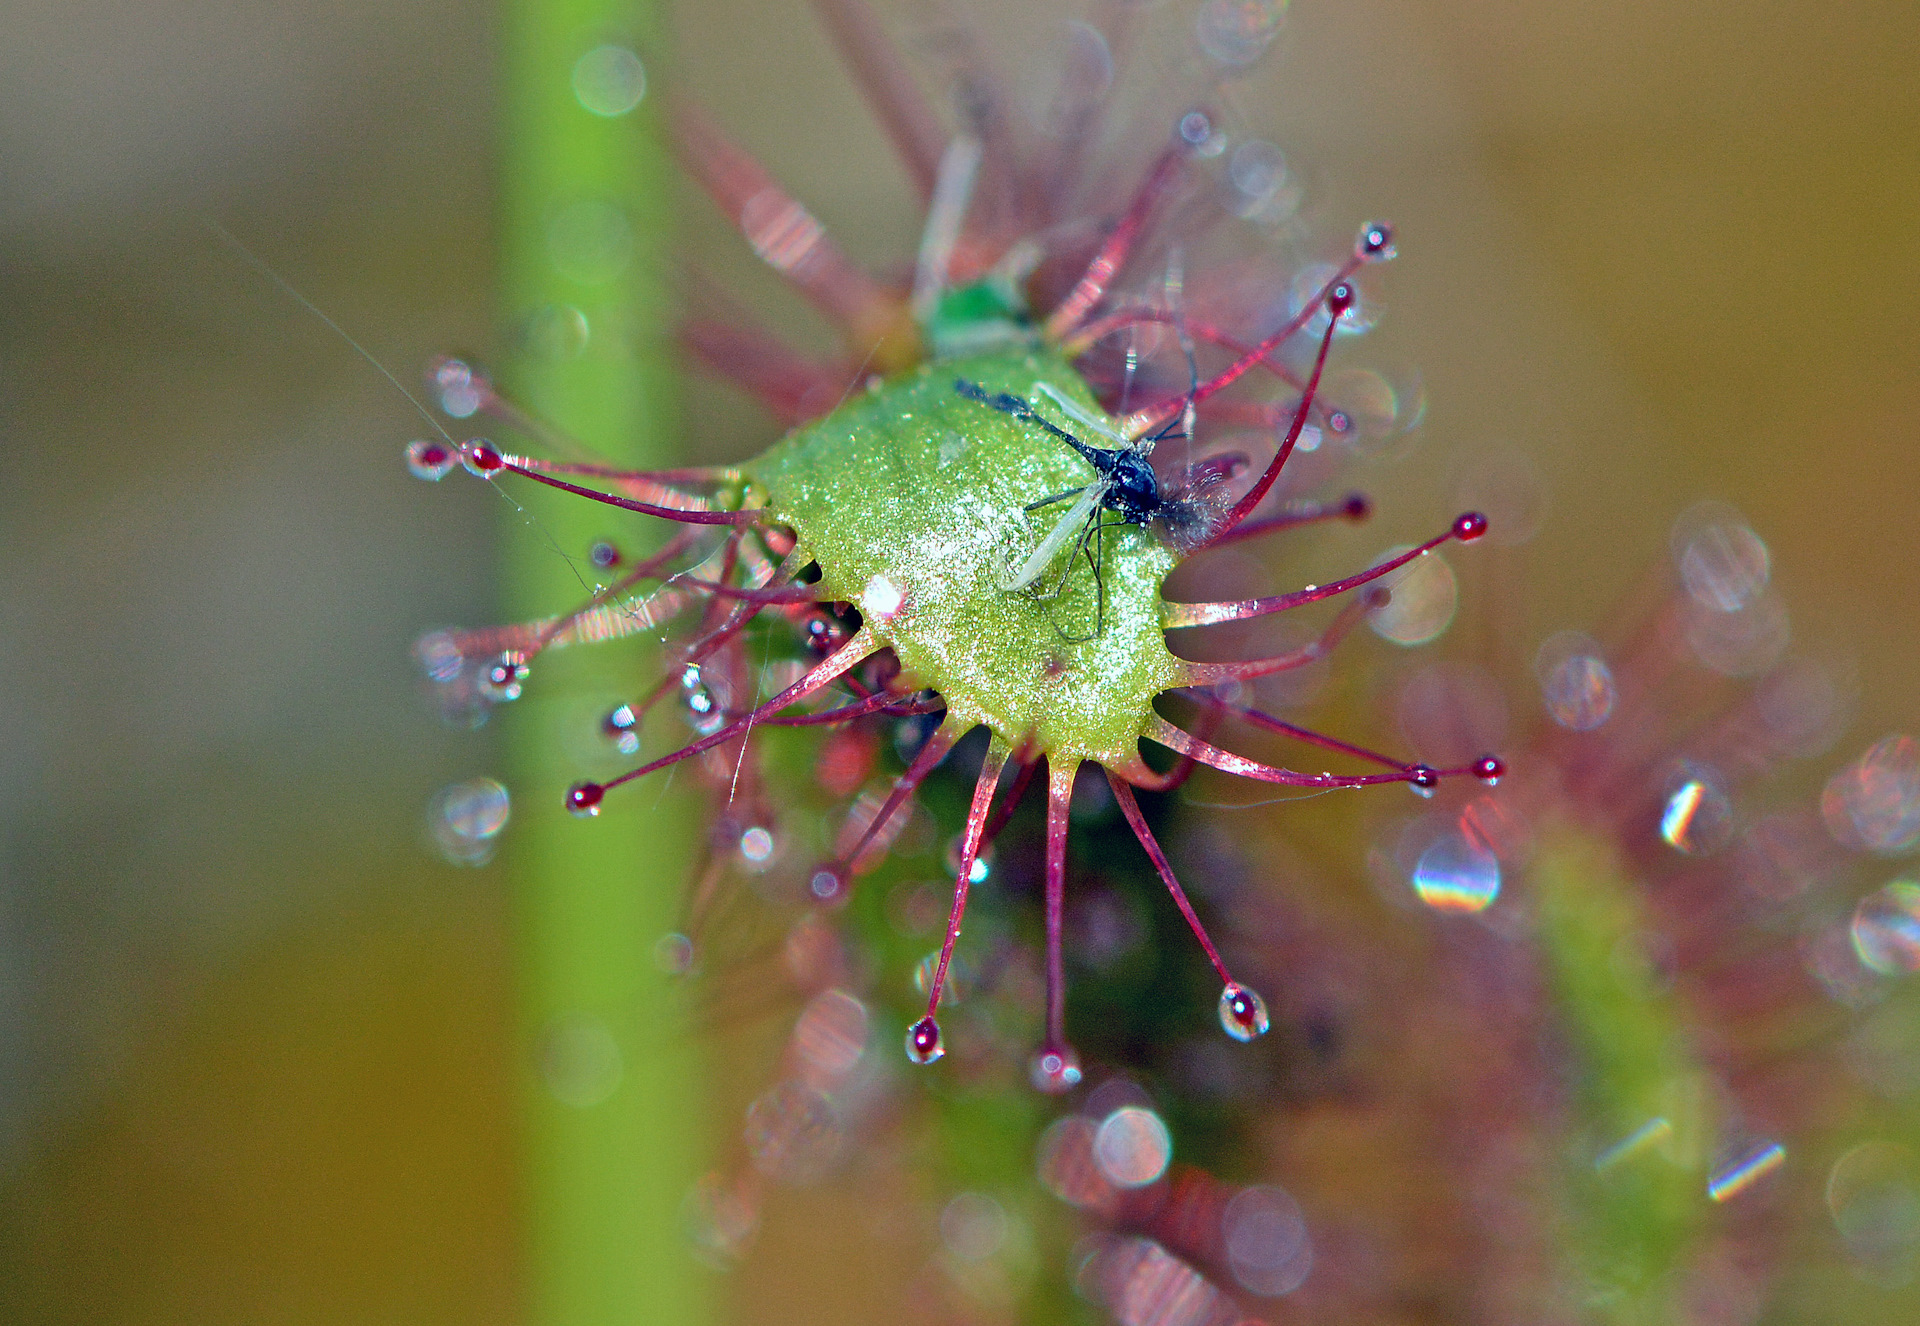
x: 1057, y: 497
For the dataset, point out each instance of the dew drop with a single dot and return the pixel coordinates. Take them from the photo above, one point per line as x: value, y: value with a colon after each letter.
x: 1469, y: 526
x: 583, y: 799
x: 1489, y: 769
x: 1243, y: 1013
x: 1132, y: 1147
x: 1054, y: 1070
x: 1886, y: 929
x: 1375, y: 243
x: 1874, y: 803
x: 1454, y: 875
x: 825, y: 634
x: 923, y: 1041
x: 621, y: 726
x: 430, y: 460
x: 1310, y: 294
x: 604, y: 555
x: 1423, y: 779
x: 481, y: 458
x: 703, y: 708
x: 505, y: 677
x: 1697, y: 818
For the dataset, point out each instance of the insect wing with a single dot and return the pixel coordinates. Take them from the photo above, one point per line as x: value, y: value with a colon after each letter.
x: 1062, y: 533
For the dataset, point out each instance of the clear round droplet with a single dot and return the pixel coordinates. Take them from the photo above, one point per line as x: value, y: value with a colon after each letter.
x: 609, y: 81
x: 1054, y: 1070
x: 1873, y: 804
x: 1375, y: 243
x: 1132, y: 1147
x: 1576, y: 685
x: 1268, y: 1248
x: 1454, y: 875
x: 1307, y: 289
x: 1697, y: 816
x: 621, y: 726
x: 923, y: 1041
x: 1886, y: 929
x: 481, y: 458
x: 431, y: 460
x: 505, y: 677
x: 1722, y: 563
x: 1243, y: 1013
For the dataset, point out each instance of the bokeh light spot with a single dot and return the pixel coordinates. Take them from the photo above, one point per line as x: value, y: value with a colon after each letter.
x: 609, y: 81
x: 1886, y: 929
x: 1453, y: 875
x: 1132, y: 1147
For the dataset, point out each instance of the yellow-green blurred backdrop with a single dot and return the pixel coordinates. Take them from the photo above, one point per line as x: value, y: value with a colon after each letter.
x: 254, y: 1054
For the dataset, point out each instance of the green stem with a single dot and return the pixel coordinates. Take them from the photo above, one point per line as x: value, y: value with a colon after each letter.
x: 613, y: 1124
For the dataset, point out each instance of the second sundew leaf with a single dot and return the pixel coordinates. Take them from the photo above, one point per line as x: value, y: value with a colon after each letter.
x: 1636, y: 1190
x: 912, y: 499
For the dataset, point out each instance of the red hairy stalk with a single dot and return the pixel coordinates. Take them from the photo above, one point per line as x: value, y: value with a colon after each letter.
x: 1112, y: 256
x: 1138, y: 823
x: 1212, y: 674
x: 1178, y: 616
x: 584, y: 798
x: 883, y: 78
x: 830, y: 881
x: 788, y: 238
x: 983, y: 788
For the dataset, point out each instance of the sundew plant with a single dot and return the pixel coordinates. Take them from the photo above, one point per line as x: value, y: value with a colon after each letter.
x: 927, y: 614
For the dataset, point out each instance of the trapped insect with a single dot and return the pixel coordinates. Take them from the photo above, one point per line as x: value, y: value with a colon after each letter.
x: 892, y: 525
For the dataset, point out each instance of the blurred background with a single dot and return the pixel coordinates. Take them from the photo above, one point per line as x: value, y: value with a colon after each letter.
x: 255, y: 1050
